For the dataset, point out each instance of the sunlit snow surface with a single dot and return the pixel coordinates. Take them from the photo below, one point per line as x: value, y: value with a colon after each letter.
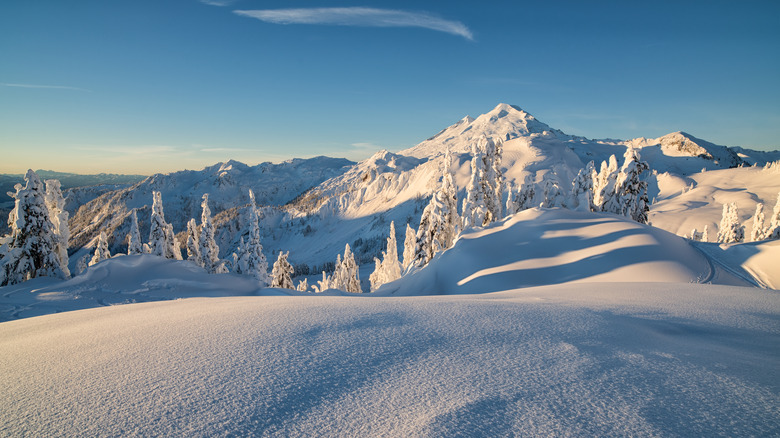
x: 550, y: 323
x: 588, y: 360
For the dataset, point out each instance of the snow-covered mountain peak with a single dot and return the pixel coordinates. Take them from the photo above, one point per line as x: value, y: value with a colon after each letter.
x: 504, y: 122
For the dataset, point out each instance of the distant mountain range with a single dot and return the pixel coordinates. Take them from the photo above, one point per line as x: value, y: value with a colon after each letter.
x: 312, y: 207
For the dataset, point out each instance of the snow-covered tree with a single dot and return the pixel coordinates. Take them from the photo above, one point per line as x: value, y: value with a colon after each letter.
x: 101, y: 250
x: 630, y: 193
x: 346, y: 276
x: 695, y: 235
x: 524, y: 198
x: 552, y: 194
x: 281, y: 272
x: 303, y: 285
x: 730, y: 229
x: 134, y: 245
x: 604, y: 183
x: 705, y: 235
x: 582, y: 188
x: 439, y: 222
x: 250, y: 259
x: 773, y: 231
x: 32, y: 247
x: 757, y: 233
x: 474, y: 208
x: 325, y: 283
x: 410, y: 242
x: 59, y: 219
x: 162, y: 241
x: 492, y: 182
x: 209, y: 251
x: 193, y: 243
x: 389, y: 269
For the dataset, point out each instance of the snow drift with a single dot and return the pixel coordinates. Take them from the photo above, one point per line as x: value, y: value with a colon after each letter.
x: 591, y: 359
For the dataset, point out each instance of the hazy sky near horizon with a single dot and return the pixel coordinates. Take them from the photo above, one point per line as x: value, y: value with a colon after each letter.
x: 150, y: 86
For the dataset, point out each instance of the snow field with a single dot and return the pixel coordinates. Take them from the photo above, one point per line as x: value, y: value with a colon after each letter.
x: 592, y: 359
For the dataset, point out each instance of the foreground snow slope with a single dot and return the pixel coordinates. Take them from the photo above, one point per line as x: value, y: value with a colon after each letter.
x: 592, y: 359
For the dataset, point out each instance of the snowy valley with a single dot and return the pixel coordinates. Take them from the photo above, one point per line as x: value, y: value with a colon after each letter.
x: 527, y: 289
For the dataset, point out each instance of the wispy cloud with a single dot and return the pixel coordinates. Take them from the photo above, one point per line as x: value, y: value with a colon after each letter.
x: 360, y: 16
x: 56, y: 87
x: 218, y: 2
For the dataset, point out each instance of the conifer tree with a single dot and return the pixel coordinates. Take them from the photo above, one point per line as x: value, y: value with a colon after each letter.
x: 161, y: 237
x: 134, y: 245
x: 582, y: 188
x: 705, y: 235
x: 250, y: 259
x: 389, y: 269
x: 59, y: 219
x: 773, y: 231
x: 32, y: 249
x: 552, y: 195
x: 346, y: 276
x: 81, y: 265
x: 410, y: 242
x: 630, y: 193
x: 525, y: 196
x: 474, y: 208
x: 303, y: 285
x: 193, y: 243
x: 730, y: 229
x: 492, y: 180
x: 209, y: 251
x: 101, y: 250
x: 757, y: 233
x: 281, y: 272
x: 604, y: 183
x: 439, y: 223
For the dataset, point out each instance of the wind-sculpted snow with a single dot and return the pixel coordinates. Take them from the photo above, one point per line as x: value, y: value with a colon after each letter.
x: 617, y: 359
x: 541, y: 247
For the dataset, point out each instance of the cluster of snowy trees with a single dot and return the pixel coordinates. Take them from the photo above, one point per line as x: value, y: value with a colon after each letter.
x: 37, y: 245
x: 731, y: 229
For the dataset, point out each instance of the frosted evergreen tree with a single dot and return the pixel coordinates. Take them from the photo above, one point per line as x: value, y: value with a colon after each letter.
x: 630, y: 193
x: 250, y: 259
x: 410, y: 242
x: 552, y: 195
x: 389, y: 269
x: 582, y: 188
x: 730, y: 229
x: 209, y: 251
x: 346, y: 276
x: 695, y: 235
x: 604, y: 183
x: 524, y: 198
x: 281, y: 272
x: 303, y: 285
x: 439, y: 223
x: 474, y: 208
x: 705, y: 235
x: 134, y: 245
x: 59, y: 219
x: 161, y: 237
x: 324, y: 284
x: 492, y: 180
x: 101, y: 250
x: 32, y: 248
x: 509, y: 207
x: 193, y: 243
x: 758, y: 230
x: 773, y: 231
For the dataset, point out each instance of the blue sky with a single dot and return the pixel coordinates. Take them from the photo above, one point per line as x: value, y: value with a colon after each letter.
x: 145, y: 86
